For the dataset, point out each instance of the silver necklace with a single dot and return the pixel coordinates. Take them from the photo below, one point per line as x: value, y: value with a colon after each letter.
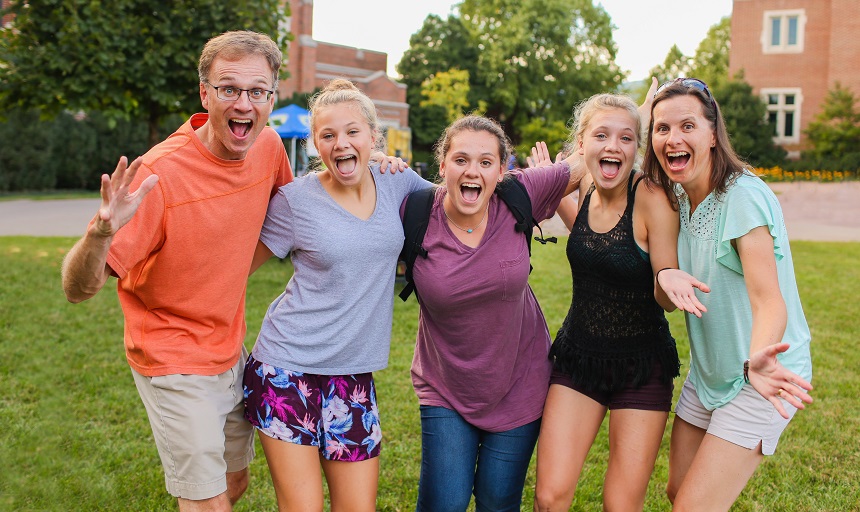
x: 464, y: 229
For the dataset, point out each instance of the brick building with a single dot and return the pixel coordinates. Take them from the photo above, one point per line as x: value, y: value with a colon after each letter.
x: 793, y: 52
x: 311, y: 63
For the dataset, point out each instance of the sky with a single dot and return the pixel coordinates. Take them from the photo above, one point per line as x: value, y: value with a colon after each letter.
x: 645, y: 29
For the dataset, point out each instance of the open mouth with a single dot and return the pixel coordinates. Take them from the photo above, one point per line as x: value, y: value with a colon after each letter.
x: 610, y: 167
x: 470, y: 192
x: 346, y: 164
x: 677, y: 160
x: 240, y: 127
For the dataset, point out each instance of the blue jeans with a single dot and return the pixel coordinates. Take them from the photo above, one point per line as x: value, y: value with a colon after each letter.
x: 458, y: 459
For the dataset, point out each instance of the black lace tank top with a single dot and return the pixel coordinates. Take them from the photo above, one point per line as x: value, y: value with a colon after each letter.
x: 615, y: 333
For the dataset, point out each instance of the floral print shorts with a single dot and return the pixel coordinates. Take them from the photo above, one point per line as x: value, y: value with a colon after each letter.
x: 336, y: 413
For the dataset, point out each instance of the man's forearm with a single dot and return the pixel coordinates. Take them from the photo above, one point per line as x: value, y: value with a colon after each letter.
x: 85, y: 269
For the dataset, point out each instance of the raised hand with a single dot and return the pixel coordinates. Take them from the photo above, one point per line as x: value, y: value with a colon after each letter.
x: 645, y: 107
x: 680, y: 287
x: 773, y: 381
x: 118, y: 204
x: 540, y: 156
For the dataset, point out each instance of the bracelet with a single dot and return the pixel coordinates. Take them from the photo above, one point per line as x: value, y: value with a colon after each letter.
x: 657, y: 275
x: 747, y: 371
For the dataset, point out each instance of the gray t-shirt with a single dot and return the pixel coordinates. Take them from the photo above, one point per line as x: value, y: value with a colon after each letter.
x: 334, y: 317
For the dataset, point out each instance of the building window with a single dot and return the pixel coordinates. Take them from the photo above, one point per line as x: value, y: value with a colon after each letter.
x: 783, y: 31
x: 783, y: 113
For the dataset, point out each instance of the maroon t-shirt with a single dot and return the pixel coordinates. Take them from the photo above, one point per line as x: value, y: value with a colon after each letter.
x: 483, y: 342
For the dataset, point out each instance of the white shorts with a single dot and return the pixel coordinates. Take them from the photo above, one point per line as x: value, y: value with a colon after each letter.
x: 747, y: 420
x: 199, y: 428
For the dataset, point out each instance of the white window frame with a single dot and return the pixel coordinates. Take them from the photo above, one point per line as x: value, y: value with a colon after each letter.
x: 781, y: 108
x: 783, y: 46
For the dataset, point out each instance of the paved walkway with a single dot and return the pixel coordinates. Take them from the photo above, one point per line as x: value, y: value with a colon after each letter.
x: 813, y: 211
x: 823, y: 212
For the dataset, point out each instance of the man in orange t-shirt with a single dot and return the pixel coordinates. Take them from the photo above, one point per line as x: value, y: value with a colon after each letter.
x: 181, y: 247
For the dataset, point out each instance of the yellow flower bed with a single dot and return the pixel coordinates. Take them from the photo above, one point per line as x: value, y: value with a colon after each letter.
x: 779, y: 174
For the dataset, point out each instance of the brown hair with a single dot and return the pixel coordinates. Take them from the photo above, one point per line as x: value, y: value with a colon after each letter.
x: 236, y: 44
x: 726, y: 165
x: 473, y: 123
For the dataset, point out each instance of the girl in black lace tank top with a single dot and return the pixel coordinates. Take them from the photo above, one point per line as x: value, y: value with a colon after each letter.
x: 614, y: 350
x: 614, y: 331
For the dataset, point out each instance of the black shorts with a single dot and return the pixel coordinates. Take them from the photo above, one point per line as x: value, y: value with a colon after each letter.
x: 653, y: 395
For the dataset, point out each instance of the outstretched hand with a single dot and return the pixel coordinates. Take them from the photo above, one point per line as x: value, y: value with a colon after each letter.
x: 681, y: 287
x: 773, y: 381
x: 118, y: 205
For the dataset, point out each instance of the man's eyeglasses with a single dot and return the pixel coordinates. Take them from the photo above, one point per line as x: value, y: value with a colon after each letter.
x: 691, y: 83
x: 230, y: 93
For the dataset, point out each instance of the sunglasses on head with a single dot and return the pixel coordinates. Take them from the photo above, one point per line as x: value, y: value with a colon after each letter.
x: 690, y: 83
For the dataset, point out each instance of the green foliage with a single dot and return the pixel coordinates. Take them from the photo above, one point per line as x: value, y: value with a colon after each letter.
x: 746, y: 123
x: 449, y: 90
x: 129, y: 59
x: 836, y: 129
x: 438, y: 44
x: 675, y: 65
x: 529, y: 59
x: 711, y: 61
x: 74, y: 435
x: 68, y: 152
x: 555, y: 134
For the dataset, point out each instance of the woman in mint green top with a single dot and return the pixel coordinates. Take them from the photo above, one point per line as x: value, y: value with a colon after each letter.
x: 750, y: 363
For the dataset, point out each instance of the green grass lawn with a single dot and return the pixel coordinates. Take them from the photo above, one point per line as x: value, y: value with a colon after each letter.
x: 74, y: 435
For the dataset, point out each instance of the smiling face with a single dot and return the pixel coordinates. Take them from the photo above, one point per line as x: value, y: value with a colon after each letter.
x: 233, y: 126
x: 344, y: 140
x: 608, y: 145
x: 682, y: 139
x: 471, y: 168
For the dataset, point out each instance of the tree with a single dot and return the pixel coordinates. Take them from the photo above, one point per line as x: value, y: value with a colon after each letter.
x: 746, y: 123
x: 675, y: 65
x: 528, y: 59
x: 128, y: 59
x: 449, y: 90
x: 435, y: 47
x: 711, y: 61
x: 835, y: 132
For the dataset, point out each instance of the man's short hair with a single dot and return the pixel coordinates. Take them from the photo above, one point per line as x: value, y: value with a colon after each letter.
x: 237, y: 44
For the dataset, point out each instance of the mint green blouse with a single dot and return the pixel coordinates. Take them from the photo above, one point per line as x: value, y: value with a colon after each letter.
x: 720, y: 340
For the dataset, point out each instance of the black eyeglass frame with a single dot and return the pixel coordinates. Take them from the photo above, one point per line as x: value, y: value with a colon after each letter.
x: 247, y: 91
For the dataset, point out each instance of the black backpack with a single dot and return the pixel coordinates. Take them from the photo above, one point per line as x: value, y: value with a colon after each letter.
x: 416, y: 216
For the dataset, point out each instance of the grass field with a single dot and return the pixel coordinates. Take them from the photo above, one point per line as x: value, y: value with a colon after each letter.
x: 74, y: 435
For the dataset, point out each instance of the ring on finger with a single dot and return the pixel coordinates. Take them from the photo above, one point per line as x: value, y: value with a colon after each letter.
x: 779, y: 393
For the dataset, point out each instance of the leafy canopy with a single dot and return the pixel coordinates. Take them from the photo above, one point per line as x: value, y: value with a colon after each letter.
x: 131, y: 59
x: 526, y: 59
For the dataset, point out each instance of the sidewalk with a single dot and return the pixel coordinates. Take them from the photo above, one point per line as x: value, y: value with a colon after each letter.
x: 821, y: 212
x: 813, y: 211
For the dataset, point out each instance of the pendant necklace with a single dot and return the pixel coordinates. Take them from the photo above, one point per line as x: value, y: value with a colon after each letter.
x: 464, y: 229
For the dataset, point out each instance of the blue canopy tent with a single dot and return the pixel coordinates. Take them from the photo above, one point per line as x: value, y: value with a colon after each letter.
x: 291, y: 122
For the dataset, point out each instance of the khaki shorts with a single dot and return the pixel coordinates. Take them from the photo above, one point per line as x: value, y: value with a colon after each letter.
x: 199, y: 428
x: 747, y: 420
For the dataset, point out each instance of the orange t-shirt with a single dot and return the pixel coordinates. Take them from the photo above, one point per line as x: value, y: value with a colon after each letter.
x: 183, y: 259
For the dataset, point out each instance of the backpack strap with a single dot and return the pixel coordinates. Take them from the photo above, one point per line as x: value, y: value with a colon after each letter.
x: 416, y: 216
x: 516, y: 197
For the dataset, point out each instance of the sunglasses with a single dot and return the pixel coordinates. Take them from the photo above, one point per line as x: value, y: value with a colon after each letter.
x: 690, y: 83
